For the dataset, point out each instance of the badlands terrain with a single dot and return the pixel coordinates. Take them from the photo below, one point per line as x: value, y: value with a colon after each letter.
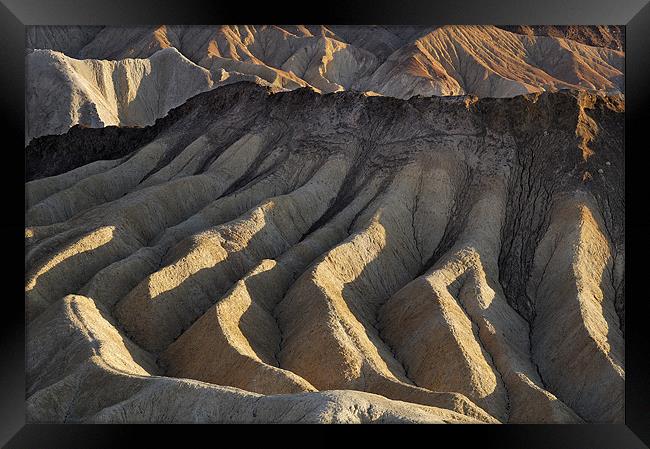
x: 269, y: 253
x: 101, y: 76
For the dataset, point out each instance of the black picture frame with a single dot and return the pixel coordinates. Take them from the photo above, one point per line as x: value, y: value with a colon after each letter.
x: 634, y: 14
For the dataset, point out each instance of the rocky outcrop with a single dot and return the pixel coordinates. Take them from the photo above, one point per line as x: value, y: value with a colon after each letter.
x: 122, y: 76
x: 283, y: 257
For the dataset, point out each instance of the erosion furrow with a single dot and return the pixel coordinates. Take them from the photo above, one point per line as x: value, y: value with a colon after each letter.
x: 101, y: 376
x: 113, y: 282
x: 249, y: 146
x: 98, y: 188
x: 40, y: 189
x: 459, y: 303
x: 239, y: 333
x: 202, y: 267
x: 347, y: 285
x: 575, y: 302
x: 147, y: 214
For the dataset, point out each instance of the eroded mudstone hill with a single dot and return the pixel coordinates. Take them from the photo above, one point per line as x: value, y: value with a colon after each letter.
x: 286, y: 257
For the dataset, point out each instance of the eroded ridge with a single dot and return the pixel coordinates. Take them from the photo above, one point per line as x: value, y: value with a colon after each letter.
x: 341, y: 258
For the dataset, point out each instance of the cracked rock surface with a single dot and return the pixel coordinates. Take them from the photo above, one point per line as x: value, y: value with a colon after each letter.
x: 297, y: 257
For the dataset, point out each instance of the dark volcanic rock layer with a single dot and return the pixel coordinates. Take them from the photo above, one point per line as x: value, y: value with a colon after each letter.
x: 462, y: 256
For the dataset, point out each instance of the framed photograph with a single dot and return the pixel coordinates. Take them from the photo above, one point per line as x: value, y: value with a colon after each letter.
x: 376, y: 213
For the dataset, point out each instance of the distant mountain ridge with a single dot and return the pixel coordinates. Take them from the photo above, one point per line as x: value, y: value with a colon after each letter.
x: 608, y: 36
x: 84, y: 41
x: 404, y: 61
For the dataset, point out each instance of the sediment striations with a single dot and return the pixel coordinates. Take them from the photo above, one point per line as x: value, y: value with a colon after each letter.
x: 91, y: 77
x: 283, y: 257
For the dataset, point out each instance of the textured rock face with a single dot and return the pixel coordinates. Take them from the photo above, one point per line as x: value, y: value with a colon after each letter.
x: 80, y: 87
x: 282, y: 257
